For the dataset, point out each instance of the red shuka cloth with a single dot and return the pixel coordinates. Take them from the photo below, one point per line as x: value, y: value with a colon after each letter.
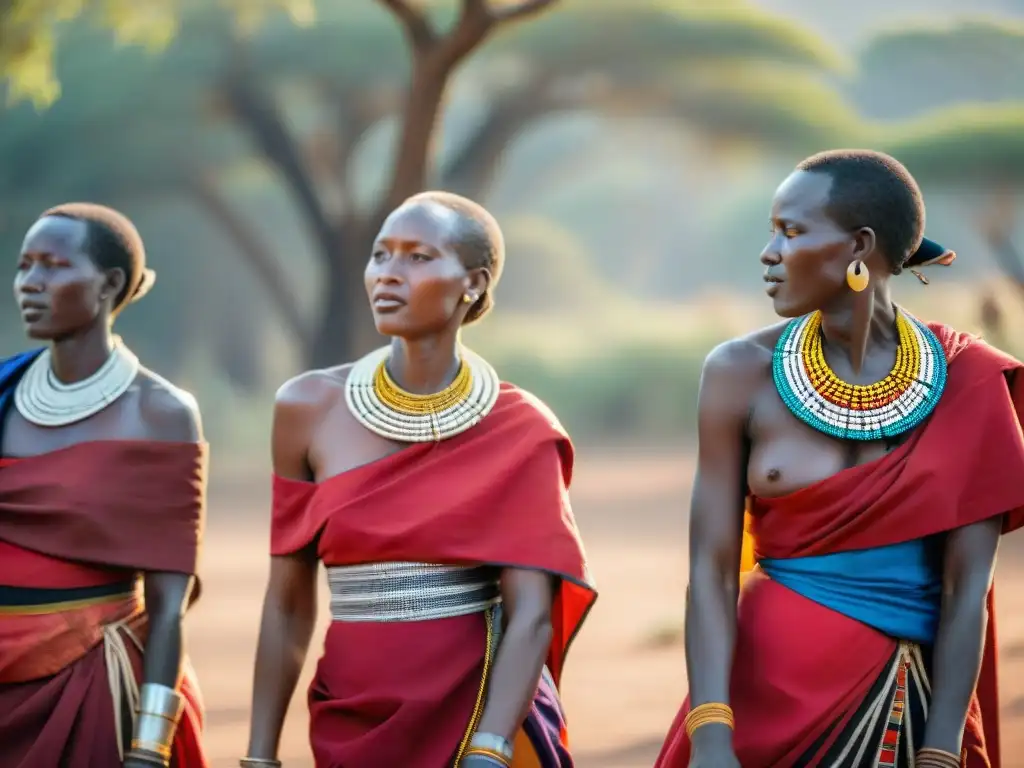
x: 61, y: 528
x: 114, y: 503
x: 496, y: 494
x: 964, y: 465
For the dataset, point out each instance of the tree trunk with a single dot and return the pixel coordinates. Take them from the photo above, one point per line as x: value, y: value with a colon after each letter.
x: 344, y: 330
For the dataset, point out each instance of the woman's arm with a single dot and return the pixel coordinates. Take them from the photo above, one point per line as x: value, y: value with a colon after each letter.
x: 167, y: 597
x: 970, y: 558
x: 289, y: 607
x: 526, y: 598
x: 172, y: 416
x: 716, y: 533
x: 289, y: 615
x: 160, y: 705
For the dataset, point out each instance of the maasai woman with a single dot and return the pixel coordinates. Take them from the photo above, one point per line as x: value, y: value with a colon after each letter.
x: 880, y: 458
x: 102, y: 493
x: 436, y: 497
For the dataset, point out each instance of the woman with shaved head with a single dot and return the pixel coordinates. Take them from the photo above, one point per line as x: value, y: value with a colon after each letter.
x: 436, y: 496
x: 102, y: 496
x: 879, y: 458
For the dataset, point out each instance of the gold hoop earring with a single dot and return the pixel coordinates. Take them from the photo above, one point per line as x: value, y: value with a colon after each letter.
x: 857, y: 276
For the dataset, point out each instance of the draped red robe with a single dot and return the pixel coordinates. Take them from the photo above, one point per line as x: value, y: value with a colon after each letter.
x: 92, y: 514
x: 797, y: 664
x: 403, y: 693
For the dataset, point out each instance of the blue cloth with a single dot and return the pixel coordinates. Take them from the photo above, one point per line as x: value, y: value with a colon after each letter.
x: 897, y: 589
x: 11, y: 371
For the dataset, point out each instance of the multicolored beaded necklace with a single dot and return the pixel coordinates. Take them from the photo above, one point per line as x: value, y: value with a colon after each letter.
x: 885, y: 409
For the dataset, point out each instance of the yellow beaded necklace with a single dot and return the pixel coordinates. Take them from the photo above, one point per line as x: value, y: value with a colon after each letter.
x: 396, y: 398
x: 858, y: 397
x: 886, y: 409
x: 380, y: 405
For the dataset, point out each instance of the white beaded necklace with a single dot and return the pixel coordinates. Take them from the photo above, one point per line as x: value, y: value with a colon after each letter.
x: 368, y: 408
x: 42, y: 399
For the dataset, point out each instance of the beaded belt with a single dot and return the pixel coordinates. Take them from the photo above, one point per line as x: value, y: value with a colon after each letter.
x: 410, y: 591
x: 32, y: 601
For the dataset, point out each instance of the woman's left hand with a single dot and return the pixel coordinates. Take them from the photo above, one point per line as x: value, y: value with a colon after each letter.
x: 479, y: 761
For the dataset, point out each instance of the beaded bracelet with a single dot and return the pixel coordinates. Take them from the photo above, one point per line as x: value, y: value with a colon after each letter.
x: 490, y: 754
x: 937, y: 758
x: 708, y: 714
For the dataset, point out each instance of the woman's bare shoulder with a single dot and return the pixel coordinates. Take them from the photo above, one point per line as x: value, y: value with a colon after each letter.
x: 167, y: 412
x: 312, y: 392
x: 746, y: 355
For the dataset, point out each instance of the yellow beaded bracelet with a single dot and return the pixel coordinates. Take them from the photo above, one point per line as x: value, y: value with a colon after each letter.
x: 708, y: 714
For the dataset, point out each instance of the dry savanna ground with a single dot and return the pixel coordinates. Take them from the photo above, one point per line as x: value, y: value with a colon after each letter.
x: 625, y: 676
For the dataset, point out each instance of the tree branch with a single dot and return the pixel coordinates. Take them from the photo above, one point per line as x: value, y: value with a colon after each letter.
x: 357, y: 110
x: 415, y: 22
x: 473, y: 169
x: 477, y: 20
x: 432, y: 69
x: 256, y: 111
x: 474, y: 23
x: 513, y: 11
x: 253, y: 249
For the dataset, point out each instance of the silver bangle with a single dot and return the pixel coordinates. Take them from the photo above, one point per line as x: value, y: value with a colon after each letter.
x: 154, y: 733
x: 493, y: 742
x: 258, y: 762
x: 160, y: 709
x: 155, y: 699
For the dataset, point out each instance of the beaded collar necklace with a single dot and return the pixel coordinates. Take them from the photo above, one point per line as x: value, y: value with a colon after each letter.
x: 42, y: 399
x: 888, y: 408
x: 380, y: 405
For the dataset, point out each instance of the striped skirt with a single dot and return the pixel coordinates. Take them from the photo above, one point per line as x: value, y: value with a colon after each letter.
x: 888, y: 728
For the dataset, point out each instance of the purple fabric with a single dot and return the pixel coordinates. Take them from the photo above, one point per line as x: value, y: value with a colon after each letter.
x: 545, y: 725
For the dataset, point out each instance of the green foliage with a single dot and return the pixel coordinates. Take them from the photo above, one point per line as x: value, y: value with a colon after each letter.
x: 31, y: 29
x: 908, y: 70
x: 86, y: 145
x: 965, y: 145
x: 155, y: 124
x: 626, y: 391
x: 150, y: 121
x: 787, y: 112
x: 548, y: 267
x: 639, y: 39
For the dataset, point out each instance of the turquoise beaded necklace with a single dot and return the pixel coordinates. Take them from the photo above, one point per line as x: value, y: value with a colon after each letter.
x: 886, y: 409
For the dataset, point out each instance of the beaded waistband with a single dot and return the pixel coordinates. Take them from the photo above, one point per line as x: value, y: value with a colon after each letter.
x: 30, y: 601
x: 382, y: 592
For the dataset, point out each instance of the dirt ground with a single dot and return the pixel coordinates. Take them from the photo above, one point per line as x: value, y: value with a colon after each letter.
x: 625, y: 675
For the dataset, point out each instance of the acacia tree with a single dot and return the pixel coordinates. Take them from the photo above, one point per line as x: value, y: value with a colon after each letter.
x: 909, y: 70
x: 313, y: 102
x: 592, y: 55
x: 342, y: 238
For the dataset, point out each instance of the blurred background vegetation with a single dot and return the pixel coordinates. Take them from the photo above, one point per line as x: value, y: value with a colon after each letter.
x: 630, y: 149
